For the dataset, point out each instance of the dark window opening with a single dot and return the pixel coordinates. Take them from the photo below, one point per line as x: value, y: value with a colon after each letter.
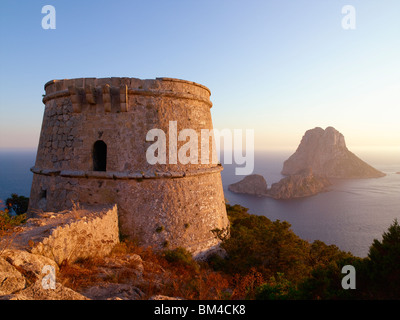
x: 43, y: 194
x: 99, y: 156
x: 42, y: 203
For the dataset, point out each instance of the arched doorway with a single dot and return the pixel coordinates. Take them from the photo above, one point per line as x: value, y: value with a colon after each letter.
x: 99, y: 156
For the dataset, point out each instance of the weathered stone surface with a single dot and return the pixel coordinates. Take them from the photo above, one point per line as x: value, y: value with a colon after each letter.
x: 325, y: 152
x: 113, y: 291
x: 53, y: 238
x: 299, y: 185
x: 253, y: 184
x: 37, y: 292
x: 133, y: 261
x: 120, y: 112
x: 79, y: 233
x: 11, y: 280
x: 31, y: 264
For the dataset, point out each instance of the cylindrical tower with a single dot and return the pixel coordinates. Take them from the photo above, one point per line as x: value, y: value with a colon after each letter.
x: 94, y: 148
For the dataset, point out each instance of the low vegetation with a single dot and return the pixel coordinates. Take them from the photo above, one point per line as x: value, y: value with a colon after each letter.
x: 283, y: 262
x: 9, y: 221
x: 17, y: 204
x: 264, y: 260
x: 8, y: 225
x: 292, y: 268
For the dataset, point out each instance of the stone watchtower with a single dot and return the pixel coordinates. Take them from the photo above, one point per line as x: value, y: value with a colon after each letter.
x: 92, y: 150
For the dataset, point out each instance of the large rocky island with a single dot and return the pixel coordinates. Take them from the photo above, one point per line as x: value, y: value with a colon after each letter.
x: 325, y: 152
x: 321, y: 155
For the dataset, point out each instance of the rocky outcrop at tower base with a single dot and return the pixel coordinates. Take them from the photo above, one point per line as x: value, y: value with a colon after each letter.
x: 325, y: 152
x: 78, y: 233
x: 49, y: 241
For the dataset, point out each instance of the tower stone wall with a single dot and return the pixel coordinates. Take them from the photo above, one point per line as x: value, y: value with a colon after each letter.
x: 92, y: 149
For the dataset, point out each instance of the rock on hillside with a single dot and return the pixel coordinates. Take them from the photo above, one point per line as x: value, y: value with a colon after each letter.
x: 325, y: 152
x: 253, y: 184
x: 299, y: 185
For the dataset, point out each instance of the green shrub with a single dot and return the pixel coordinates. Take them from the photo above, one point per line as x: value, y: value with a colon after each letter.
x: 277, y: 288
x: 270, y: 247
x: 382, y: 265
x: 8, y: 222
x: 180, y: 256
x: 18, y: 204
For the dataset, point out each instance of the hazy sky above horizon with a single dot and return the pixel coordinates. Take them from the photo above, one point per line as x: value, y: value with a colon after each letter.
x: 279, y: 67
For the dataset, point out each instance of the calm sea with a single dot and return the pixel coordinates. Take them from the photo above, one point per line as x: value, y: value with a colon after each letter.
x: 15, y: 174
x: 350, y: 215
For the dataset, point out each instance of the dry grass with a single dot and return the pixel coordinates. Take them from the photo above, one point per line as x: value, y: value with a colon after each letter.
x: 78, y: 275
x: 188, y: 281
x: 76, y: 207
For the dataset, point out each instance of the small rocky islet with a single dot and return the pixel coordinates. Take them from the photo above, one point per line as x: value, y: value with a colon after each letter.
x: 302, y: 184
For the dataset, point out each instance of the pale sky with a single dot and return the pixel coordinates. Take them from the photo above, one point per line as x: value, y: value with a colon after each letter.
x: 279, y: 67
